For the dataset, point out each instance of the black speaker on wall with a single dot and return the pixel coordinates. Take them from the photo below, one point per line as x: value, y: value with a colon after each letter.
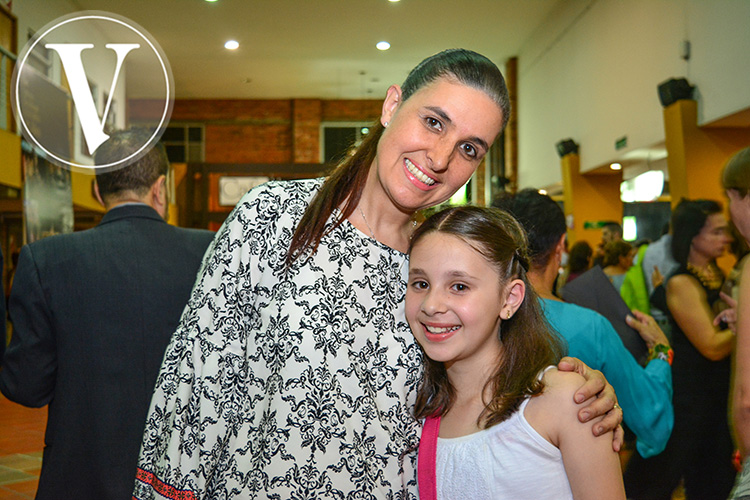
x: 566, y: 146
x: 674, y: 90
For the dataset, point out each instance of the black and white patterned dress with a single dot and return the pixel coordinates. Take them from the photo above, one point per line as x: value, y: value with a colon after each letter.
x: 287, y: 384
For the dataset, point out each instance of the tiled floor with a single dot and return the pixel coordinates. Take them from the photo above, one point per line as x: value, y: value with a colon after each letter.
x: 21, y: 444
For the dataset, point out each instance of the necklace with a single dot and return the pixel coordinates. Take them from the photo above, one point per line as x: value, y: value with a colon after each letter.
x: 372, y: 233
x: 709, y: 276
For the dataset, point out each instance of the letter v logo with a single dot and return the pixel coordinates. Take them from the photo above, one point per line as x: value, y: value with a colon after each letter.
x: 70, y: 56
x: 96, y: 51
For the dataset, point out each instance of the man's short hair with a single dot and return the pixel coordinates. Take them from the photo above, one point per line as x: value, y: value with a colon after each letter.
x: 138, y: 177
x: 614, y: 227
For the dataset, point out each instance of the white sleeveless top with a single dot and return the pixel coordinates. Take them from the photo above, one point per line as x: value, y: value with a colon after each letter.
x: 508, y: 461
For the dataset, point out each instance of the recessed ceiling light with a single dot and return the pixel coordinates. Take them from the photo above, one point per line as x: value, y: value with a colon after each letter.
x: 616, y: 166
x: 212, y: 1
x: 388, y: 0
x: 542, y: 191
x: 231, y: 44
x: 383, y: 45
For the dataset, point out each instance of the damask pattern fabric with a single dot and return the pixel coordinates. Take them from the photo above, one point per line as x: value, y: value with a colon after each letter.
x: 287, y: 383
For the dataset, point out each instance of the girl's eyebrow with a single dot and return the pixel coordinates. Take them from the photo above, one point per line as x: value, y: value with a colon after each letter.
x: 442, y: 114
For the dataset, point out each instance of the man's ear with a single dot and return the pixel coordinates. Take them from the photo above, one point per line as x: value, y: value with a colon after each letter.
x: 390, y: 104
x: 158, y: 195
x: 98, y: 195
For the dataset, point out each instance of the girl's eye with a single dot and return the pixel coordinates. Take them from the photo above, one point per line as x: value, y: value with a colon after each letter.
x: 433, y: 123
x: 420, y: 285
x: 460, y: 287
x: 469, y: 150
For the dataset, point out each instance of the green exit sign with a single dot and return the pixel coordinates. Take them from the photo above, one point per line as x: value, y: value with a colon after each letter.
x: 622, y: 142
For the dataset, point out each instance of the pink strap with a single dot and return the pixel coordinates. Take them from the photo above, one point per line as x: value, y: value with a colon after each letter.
x: 426, y: 460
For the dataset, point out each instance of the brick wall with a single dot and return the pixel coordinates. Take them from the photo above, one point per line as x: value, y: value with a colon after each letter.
x: 263, y: 130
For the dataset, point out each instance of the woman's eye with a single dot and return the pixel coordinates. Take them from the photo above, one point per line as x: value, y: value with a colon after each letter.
x: 460, y: 287
x: 469, y: 150
x: 433, y: 123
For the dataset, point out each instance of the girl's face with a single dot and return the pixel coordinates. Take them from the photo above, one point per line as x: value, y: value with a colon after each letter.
x: 433, y: 143
x: 713, y: 238
x: 454, y: 301
x: 739, y: 209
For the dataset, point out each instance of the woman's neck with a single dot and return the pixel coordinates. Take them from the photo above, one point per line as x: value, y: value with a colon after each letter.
x: 378, y: 217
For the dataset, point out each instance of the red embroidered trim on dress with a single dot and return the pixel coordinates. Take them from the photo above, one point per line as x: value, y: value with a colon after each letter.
x: 163, y: 488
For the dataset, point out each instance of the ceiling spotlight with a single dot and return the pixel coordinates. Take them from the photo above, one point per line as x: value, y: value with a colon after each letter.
x: 383, y: 45
x: 616, y: 166
x: 543, y: 191
x: 232, y: 45
x: 394, y: 1
x: 210, y: 1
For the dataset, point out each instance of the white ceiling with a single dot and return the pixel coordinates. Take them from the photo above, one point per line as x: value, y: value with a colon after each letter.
x: 319, y: 48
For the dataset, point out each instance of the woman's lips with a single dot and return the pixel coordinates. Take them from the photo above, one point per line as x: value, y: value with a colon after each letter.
x: 417, y: 176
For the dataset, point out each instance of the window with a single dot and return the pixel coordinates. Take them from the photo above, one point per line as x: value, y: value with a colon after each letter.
x: 338, y: 137
x: 184, y: 142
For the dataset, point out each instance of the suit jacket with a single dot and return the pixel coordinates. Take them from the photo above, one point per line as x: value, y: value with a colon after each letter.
x: 92, y: 314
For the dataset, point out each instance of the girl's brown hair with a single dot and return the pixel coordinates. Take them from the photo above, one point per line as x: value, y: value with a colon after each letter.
x: 343, y: 188
x: 529, y: 344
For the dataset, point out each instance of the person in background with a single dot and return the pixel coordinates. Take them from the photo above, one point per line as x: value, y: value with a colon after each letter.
x: 657, y: 263
x: 618, y: 258
x: 611, y: 231
x: 645, y: 393
x: 735, y: 179
x: 92, y: 313
x: 293, y: 373
x: 3, y: 320
x: 505, y: 416
x: 700, y: 449
x: 579, y: 260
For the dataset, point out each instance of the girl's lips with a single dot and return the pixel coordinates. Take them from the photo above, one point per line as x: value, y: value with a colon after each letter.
x: 418, y: 177
x: 435, y: 333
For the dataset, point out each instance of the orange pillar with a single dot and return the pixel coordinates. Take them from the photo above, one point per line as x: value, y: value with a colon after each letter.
x: 588, y: 198
x: 697, y: 155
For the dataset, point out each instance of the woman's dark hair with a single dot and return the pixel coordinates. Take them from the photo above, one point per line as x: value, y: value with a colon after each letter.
x: 688, y: 218
x: 579, y: 257
x: 614, y: 250
x: 541, y: 217
x: 529, y: 345
x: 343, y: 187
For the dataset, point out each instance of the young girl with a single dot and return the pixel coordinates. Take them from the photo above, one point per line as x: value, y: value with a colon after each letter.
x: 506, y: 417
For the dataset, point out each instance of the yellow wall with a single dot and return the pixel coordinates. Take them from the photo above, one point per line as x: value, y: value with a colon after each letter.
x: 588, y: 197
x: 10, y: 159
x: 83, y: 193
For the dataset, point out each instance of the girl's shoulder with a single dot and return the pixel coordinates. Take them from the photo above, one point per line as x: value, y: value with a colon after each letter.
x: 555, y: 407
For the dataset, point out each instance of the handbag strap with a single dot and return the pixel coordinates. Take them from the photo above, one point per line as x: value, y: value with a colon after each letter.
x: 426, y: 476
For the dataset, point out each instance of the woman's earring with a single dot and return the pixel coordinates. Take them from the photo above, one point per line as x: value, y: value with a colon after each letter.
x: 508, y: 315
x: 385, y: 124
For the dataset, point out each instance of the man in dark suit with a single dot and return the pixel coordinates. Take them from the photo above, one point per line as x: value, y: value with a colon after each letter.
x: 92, y: 314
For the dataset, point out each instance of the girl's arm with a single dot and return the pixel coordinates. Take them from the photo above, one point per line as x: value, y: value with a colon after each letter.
x: 687, y: 304
x: 593, y: 468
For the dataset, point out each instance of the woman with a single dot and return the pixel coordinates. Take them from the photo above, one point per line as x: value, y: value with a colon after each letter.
x: 293, y: 373
x: 618, y: 258
x: 700, y: 448
x: 579, y: 259
x: 735, y: 179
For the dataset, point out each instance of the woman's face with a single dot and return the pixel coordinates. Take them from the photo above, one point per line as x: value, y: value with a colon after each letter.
x: 739, y: 209
x: 433, y: 143
x: 714, y: 237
